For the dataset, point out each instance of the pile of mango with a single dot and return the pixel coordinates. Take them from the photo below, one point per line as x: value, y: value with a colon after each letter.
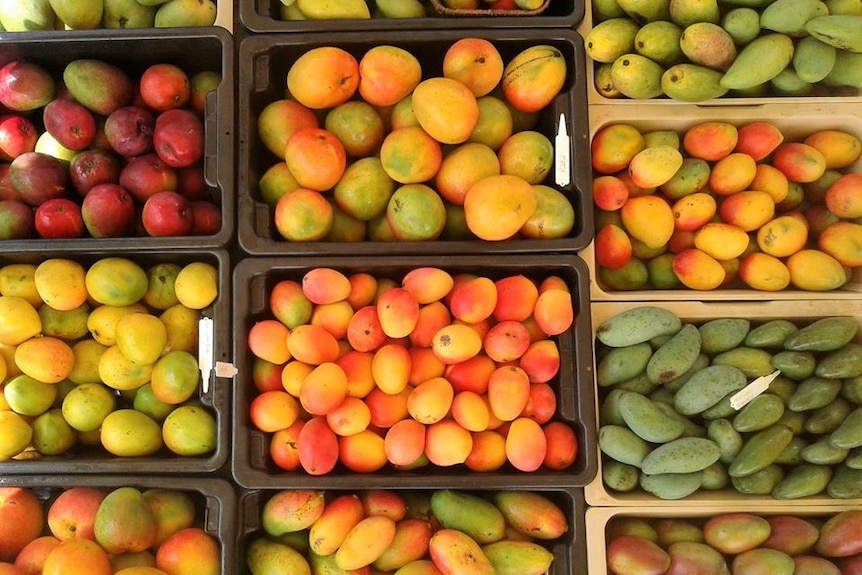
x: 669, y: 423
x: 737, y: 542
x: 695, y: 50
x: 406, y: 532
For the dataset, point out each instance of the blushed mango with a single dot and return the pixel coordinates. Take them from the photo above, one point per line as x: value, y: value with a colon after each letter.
x: 736, y: 532
x: 654, y: 165
x: 609, y: 192
x: 613, y: 246
x: 312, y: 344
x: 541, y: 361
x: 456, y: 343
x: 456, y: 553
x: 672, y: 530
x: 748, y: 210
x: 721, y: 241
x: 839, y: 147
x: 798, y: 161
x: 526, y: 444
x: 708, y: 44
x: 814, y: 270
x: 710, y: 140
x: 554, y: 311
x: 636, y: 554
x: 843, y: 241
x: 430, y: 401
x: 398, y: 311
x: 732, y: 173
x: 758, y: 139
x: 390, y: 367
x: 516, y: 296
x: 336, y: 520
x: 844, y: 196
x: 428, y: 284
x: 764, y: 272
x: 698, y: 270
x: 813, y: 565
x: 409, y: 544
x: 693, y: 211
x: 613, y: 147
x: 694, y: 557
x: 473, y: 300
x: 317, y: 446
x: 325, y: 285
x: 431, y: 318
x: 649, y: 219
x: 508, y: 392
x: 763, y: 562
x: 420, y: 567
x: 790, y: 534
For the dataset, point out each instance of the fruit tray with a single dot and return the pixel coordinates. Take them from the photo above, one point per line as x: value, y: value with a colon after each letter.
x: 214, y: 500
x: 790, y: 535
x: 193, y: 50
x: 794, y: 123
x: 264, y: 16
x: 787, y: 88
x: 87, y: 455
x: 697, y: 313
x: 253, y: 466
x: 569, y: 550
x: 142, y: 18
x: 264, y: 61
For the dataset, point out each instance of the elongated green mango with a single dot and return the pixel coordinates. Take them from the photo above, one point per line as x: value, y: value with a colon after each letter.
x: 727, y: 438
x: 813, y: 59
x: 813, y: 393
x: 647, y: 420
x: 683, y: 455
x: 759, y: 62
x: 761, y: 450
x: 722, y: 334
x: 849, y: 434
x: 803, y: 481
x: 622, y: 363
x: 843, y: 31
x: 825, y: 334
x: 707, y: 387
x: 471, y: 514
x: 637, y: 325
x: 759, y: 413
x: 846, y: 71
x: 671, y: 486
x: 771, y: 334
x: 841, y: 363
x: 789, y: 16
x: 622, y: 444
x: 846, y: 483
x: 675, y: 356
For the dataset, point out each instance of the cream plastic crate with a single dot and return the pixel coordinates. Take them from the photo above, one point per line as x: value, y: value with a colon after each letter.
x: 597, y: 519
x: 699, y: 312
x: 224, y: 15
x: 793, y: 120
x: 593, y: 96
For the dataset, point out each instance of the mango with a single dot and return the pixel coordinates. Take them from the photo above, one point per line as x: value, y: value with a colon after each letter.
x: 671, y: 486
x: 613, y: 146
x: 531, y: 514
x: 648, y: 219
x: 629, y: 554
x: 826, y: 419
x: 698, y: 270
x: 839, y: 535
x: 846, y: 483
x: 672, y: 530
x: 610, y: 39
x: 683, y: 455
x: 471, y: 514
x: 409, y: 544
x: 708, y: 44
x: 790, y: 16
x: 687, y: 12
x: 292, y: 510
x: 742, y: 23
x: 844, y: 31
x: 760, y: 482
x: 631, y: 276
x: 659, y: 41
x: 518, y: 557
x: 813, y: 59
x: 759, y: 61
x: 762, y: 562
x: 339, y: 516
x: 695, y: 557
x: 647, y: 420
x: 813, y: 565
x: 619, y: 476
x: 760, y: 450
x: 690, y: 82
x: 124, y: 522
x: 420, y: 567
x: 622, y: 363
x: 637, y: 76
x: 329, y: 9
x: 637, y: 325
x: 456, y: 553
x: 764, y: 272
x: 790, y: 534
x: 707, y: 387
x: 736, y: 532
x: 643, y: 11
x: 99, y: 86
x: 267, y: 557
x: 803, y: 480
x: 622, y: 444
x: 366, y: 542
x: 846, y: 71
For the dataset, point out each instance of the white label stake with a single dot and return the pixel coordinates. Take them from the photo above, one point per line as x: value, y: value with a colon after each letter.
x: 741, y: 398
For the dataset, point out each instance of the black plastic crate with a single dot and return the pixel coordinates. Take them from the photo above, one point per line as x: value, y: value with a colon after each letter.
x: 570, y: 551
x: 263, y: 63
x: 264, y: 16
x: 193, y: 50
x: 94, y: 459
x: 215, y: 500
x: 251, y: 464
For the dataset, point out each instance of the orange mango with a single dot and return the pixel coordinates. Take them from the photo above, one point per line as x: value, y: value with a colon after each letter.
x: 430, y: 401
x: 613, y: 147
x: 366, y: 542
x: 488, y: 452
x: 798, y: 161
x: 698, y: 270
x: 390, y: 368
x: 815, y: 270
x: 747, y: 210
x: 409, y: 544
x: 404, y: 442
x: 362, y: 452
x: 613, y: 246
x: 312, y: 344
x: 839, y: 147
x: 526, y: 444
x: 843, y: 241
x: 447, y: 443
x: 508, y: 392
x: 764, y: 272
x: 648, y: 219
x: 336, y: 520
x: 325, y: 285
x: 758, y: 139
x: 693, y: 211
x: 721, y: 241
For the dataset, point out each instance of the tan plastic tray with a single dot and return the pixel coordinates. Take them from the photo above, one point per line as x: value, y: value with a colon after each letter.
x: 224, y: 15
x: 793, y: 120
x: 593, y: 96
x: 699, y: 312
x: 597, y: 519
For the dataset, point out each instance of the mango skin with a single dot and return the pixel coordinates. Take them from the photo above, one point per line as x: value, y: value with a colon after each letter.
x: 518, y: 557
x: 266, y: 556
x: 456, y: 553
x: 532, y: 514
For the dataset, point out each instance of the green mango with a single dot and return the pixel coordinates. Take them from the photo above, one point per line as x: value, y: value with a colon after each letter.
x: 743, y: 24
x: 266, y: 556
x: 471, y: 514
x: 771, y: 334
x: 723, y: 334
x: 676, y: 356
x: 79, y: 14
x: 511, y: 557
x: 844, y: 6
x: 813, y: 59
x: 610, y: 39
x: 26, y: 15
x: 692, y: 83
x: 759, y: 61
x: 825, y: 334
x: 122, y: 14
x: 637, y: 77
x: 686, y: 12
x: 622, y: 363
x: 619, y: 476
x: 843, y: 31
x: 760, y: 450
x: 659, y: 41
x: 671, y: 486
x: 333, y: 9
x: 788, y: 83
x: 647, y: 420
x: 683, y: 455
x: 637, y: 325
x: 846, y: 72
x: 790, y: 16
x: 181, y: 13
x: 401, y: 8
x: 643, y: 11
